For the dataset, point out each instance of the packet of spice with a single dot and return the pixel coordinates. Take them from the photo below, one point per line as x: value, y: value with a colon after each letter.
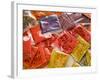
x: 47, y: 43
x: 86, y: 60
x: 36, y: 34
x: 80, y: 18
x: 80, y: 50
x: 41, y: 57
x: 66, y: 42
x: 50, y: 24
x: 28, y: 53
x: 83, y: 32
x: 66, y: 21
x: 58, y: 59
x: 26, y: 44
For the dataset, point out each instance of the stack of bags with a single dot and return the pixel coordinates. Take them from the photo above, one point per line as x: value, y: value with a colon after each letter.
x: 56, y: 40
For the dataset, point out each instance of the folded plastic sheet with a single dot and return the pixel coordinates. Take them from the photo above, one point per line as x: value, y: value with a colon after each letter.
x: 80, y: 50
